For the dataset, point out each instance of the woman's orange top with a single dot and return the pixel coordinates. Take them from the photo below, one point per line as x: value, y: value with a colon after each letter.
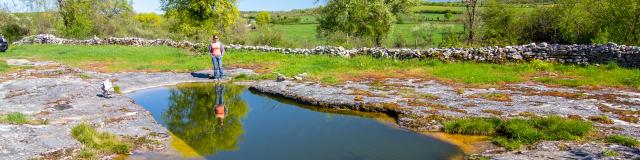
x: 219, y: 111
x: 216, y: 49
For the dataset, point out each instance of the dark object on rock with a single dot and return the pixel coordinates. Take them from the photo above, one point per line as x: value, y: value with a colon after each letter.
x: 280, y: 78
x: 61, y: 107
x: 4, y: 45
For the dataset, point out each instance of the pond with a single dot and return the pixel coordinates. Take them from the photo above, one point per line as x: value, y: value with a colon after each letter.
x: 224, y: 121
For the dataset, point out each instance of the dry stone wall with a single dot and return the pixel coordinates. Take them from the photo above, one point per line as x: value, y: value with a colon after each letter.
x: 627, y: 56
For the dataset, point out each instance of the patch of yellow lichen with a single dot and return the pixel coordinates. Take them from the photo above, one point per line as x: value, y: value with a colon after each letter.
x: 468, y: 144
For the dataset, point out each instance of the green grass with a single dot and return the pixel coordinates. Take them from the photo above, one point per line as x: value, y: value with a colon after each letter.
x: 472, y: 126
x: 623, y: 140
x: 102, y: 142
x: 437, y: 9
x: 610, y: 153
x: 514, y: 133
x: 117, y: 89
x: 458, y: 10
x: 4, y: 66
x: 15, y: 118
x: 112, y: 58
x: 328, y: 69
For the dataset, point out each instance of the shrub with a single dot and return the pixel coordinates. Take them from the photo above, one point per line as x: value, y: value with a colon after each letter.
x: 270, y: 36
x: 623, y: 140
x: 13, y: 32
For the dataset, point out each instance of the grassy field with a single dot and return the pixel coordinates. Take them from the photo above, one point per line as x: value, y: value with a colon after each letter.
x: 426, y: 8
x: 304, y: 35
x: 328, y: 69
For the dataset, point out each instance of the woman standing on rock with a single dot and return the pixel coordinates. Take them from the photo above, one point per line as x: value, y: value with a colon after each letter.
x: 217, y: 51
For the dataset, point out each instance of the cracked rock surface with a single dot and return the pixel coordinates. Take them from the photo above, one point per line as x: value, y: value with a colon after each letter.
x: 65, y: 97
x: 419, y: 105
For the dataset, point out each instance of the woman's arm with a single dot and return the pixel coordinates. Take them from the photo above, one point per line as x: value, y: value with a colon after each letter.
x: 221, y: 49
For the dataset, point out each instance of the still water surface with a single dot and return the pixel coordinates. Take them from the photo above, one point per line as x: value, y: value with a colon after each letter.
x: 223, y: 121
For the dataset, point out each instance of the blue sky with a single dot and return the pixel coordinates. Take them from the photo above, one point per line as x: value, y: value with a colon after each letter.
x: 244, y: 5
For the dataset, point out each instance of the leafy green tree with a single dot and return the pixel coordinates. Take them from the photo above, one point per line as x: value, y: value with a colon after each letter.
x: 617, y: 19
x: 83, y: 18
x: 263, y: 18
x: 212, y: 16
x: 500, y: 24
x: 359, y: 18
x: 149, y: 19
x: 470, y: 19
x: 77, y: 17
x: 448, y: 16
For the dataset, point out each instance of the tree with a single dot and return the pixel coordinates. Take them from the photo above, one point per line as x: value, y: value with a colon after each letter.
x: 500, y: 24
x: 212, y: 16
x: 361, y: 18
x: 77, y: 17
x: 400, y: 7
x: 82, y: 18
x: 149, y: 19
x: 471, y: 7
x: 448, y: 15
x: 263, y: 18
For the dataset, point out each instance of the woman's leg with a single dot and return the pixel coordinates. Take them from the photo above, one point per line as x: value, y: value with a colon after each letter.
x: 220, y: 67
x: 215, y: 67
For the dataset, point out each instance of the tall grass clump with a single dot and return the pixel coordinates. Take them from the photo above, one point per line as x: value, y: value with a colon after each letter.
x: 102, y: 142
x: 514, y: 133
x: 472, y: 126
x: 623, y: 140
x: 15, y: 118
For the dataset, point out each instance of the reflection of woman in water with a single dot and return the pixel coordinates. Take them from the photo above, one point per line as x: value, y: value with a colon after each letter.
x: 220, y: 109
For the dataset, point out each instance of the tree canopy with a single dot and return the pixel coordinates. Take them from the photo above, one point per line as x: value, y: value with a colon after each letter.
x: 361, y: 18
x: 193, y: 16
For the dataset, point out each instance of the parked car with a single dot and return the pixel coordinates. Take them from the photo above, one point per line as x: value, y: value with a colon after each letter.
x: 4, y: 45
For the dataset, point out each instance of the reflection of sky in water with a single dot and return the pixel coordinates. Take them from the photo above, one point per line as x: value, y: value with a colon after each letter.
x: 259, y: 127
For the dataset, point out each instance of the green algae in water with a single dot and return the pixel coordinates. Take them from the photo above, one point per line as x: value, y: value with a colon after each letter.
x: 261, y: 127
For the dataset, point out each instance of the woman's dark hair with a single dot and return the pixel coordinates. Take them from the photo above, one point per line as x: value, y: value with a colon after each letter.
x: 214, y: 36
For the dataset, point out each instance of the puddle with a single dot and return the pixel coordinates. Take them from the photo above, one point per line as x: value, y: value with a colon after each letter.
x: 230, y: 122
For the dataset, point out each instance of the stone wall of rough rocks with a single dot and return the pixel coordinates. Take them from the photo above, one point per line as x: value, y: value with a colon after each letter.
x: 628, y: 56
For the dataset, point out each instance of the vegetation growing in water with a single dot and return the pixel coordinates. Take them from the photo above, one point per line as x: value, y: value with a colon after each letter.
x: 514, y: 133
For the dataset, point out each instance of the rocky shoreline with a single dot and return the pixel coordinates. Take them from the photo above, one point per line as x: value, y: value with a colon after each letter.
x: 68, y: 96
x: 421, y: 105
x: 65, y: 97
